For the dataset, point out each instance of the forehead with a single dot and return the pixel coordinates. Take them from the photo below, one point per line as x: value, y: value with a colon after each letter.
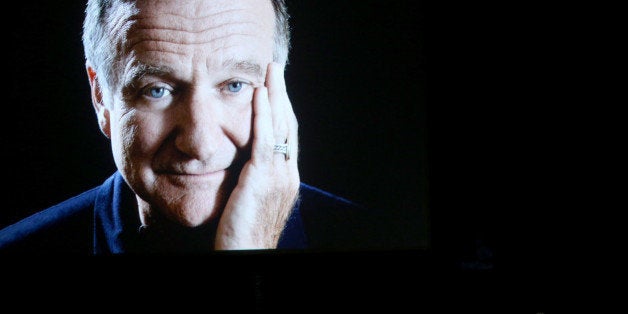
x: 198, y: 15
x: 201, y: 31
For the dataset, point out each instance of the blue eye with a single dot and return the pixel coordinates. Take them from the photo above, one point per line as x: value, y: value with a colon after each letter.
x: 235, y: 86
x: 158, y: 92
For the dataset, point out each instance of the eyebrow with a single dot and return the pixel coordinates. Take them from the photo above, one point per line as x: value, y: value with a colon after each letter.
x: 142, y: 69
x: 245, y: 66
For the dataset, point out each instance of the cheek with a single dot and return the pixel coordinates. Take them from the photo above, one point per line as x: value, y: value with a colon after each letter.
x: 137, y: 136
x: 240, y: 125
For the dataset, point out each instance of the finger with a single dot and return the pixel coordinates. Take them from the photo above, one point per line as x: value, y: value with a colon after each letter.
x: 275, y: 81
x: 278, y: 93
x: 277, y: 88
x: 278, y: 98
x: 263, y: 140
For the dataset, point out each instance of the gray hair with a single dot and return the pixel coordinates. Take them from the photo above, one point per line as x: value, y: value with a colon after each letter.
x: 104, y: 30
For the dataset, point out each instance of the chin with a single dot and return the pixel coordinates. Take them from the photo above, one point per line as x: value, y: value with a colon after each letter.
x: 194, y: 211
x: 195, y: 219
x: 189, y: 204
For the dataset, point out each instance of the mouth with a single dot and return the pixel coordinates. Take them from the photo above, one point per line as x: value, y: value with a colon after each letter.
x: 201, y: 178
x: 189, y: 176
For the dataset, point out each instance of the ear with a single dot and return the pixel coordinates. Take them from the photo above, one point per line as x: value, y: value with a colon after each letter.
x: 102, y: 113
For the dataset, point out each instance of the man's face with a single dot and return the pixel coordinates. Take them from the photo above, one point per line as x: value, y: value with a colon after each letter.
x: 181, y: 121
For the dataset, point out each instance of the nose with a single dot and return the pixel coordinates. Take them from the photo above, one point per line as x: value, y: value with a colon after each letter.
x: 199, y: 124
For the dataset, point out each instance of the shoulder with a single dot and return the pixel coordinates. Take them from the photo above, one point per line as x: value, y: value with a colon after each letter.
x: 317, y: 205
x: 335, y: 222
x: 312, y: 197
x: 53, y: 229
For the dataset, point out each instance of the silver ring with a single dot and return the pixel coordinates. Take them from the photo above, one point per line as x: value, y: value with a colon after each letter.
x: 283, y: 149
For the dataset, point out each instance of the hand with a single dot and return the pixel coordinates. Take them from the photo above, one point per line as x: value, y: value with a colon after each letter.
x: 268, y: 186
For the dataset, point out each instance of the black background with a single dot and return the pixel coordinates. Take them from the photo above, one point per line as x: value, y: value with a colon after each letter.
x: 52, y: 143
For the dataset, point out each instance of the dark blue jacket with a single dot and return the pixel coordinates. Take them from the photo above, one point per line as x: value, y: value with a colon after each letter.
x: 104, y: 221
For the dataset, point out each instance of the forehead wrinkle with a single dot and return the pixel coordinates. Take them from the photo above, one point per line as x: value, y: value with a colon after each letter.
x: 180, y: 24
x: 197, y: 25
x: 183, y: 40
x: 141, y: 27
x: 185, y: 22
x: 170, y: 31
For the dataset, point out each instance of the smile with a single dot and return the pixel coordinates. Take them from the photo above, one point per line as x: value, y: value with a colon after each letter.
x: 187, y: 179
